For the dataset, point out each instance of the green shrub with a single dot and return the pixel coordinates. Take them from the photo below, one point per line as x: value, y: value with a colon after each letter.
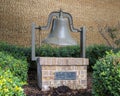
x: 43, y: 51
x: 18, y: 67
x: 67, y: 51
x: 106, y: 75
x: 16, y: 51
x: 95, y: 52
x: 9, y: 84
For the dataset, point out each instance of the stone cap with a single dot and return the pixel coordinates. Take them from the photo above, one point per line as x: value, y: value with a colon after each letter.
x: 62, y: 61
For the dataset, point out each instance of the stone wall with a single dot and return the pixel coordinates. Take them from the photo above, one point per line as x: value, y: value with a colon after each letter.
x: 16, y: 17
x: 54, y: 72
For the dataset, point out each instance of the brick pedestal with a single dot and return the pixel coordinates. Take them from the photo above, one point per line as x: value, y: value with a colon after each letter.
x: 55, y: 71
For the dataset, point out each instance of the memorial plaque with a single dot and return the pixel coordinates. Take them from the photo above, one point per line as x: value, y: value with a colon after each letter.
x: 65, y: 76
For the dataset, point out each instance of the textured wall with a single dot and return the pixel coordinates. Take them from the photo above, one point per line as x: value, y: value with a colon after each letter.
x: 16, y: 17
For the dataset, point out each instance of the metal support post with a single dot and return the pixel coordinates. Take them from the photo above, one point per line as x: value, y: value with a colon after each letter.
x: 82, y: 41
x: 33, y: 42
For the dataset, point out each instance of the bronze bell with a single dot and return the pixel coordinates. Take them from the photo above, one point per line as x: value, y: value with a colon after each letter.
x: 60, y: 33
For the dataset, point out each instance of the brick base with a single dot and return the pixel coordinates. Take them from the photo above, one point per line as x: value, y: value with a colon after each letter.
x: 47, y: 67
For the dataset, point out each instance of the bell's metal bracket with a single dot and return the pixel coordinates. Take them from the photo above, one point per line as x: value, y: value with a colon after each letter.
x: 59, y: 14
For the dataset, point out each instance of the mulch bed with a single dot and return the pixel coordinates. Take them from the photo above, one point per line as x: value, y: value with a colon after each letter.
x: 32, y: 89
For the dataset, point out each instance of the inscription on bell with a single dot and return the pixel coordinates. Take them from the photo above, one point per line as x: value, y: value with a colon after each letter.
x: 65, y: 75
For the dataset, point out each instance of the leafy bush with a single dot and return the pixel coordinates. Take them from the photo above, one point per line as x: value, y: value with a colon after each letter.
x: 15, y: 66
x: 9, y: 84
x: 106, y: 75
x: 16, y: 51
x: 67, y: 51
x: 44, y: 51
x: 70, y: 51
x: 95, y: 52
x: 18, y: 67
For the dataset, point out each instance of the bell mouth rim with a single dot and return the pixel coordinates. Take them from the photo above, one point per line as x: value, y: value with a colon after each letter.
x: 60, y: 42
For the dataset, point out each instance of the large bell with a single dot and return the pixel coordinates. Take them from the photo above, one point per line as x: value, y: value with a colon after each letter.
x: 60, y: 33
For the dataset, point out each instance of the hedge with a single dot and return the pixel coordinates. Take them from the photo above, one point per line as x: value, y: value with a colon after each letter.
x: 10, y: 85
x: 13, y: 75
x: 93, y: 52
x: 18, y: 67
x: 106, y: 75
